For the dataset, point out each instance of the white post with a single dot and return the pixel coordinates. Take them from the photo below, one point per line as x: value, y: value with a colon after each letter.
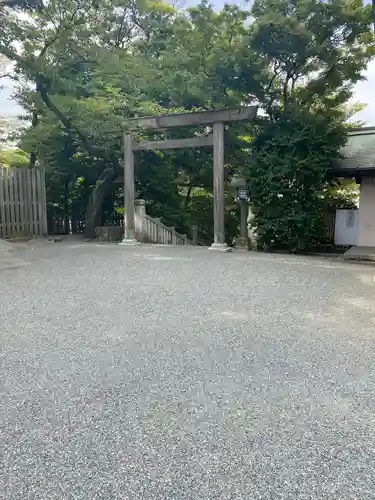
x: 140, y: 207
x: 158, y: 230
x: 366, y: 229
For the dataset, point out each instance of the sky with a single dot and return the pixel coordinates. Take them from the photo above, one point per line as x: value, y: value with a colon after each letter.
x: 364, y: 91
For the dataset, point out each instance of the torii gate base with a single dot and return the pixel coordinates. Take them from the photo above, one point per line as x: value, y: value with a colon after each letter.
x: 216, y: 140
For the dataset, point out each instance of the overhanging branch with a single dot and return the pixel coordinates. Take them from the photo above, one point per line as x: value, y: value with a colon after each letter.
x: 68, y: 123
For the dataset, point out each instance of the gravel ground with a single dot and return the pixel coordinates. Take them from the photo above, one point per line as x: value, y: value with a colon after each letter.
x: 178, y: 373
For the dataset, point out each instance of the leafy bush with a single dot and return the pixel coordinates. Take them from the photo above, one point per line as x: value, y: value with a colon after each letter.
x: 288, y: 171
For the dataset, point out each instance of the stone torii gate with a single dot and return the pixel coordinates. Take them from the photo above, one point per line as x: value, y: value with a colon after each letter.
x: 216, y: 118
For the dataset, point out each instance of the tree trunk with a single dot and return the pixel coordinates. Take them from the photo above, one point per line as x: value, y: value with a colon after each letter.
x: 104, y: 185
x: 33, y: 155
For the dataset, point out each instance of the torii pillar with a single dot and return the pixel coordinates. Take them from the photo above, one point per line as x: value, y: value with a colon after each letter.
x: 218, y: 184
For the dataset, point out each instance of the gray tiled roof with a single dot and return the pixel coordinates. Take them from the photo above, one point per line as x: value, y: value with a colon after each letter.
x: 359, y: 153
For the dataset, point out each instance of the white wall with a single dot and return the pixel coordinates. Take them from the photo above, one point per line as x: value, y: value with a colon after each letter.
x: 366, y: 227
x: 346, y: 227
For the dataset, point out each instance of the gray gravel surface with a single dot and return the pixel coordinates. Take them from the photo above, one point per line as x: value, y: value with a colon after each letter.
x: 9, y: 255
x: 177, y: 373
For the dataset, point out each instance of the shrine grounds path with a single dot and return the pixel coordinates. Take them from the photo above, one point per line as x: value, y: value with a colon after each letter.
x: 153, y: 373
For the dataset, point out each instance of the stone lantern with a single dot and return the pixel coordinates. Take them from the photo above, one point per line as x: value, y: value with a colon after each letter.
x: 242, y: 197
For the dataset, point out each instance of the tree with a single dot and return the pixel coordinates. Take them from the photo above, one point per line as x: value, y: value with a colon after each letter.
x: 290, y: 160
x: 81, y: 79
x: 313, y: 51
x: 18, y: 5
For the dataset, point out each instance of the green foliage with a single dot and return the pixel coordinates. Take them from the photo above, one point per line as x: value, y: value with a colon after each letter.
x: 313, y: 51
x: 340, y: 193
x: 13, y: 158
x: 84, y: 68
x: 288, y: 173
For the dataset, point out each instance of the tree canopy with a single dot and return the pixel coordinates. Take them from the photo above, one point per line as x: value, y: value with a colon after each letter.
x: 83, y: 68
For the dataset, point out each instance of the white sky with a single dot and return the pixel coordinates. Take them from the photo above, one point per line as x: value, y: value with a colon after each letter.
x: 364, y: 91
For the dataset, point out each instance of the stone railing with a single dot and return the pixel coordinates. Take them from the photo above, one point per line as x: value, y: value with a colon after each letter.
x: 157, y: 232
x: 152, y: 230
x: 148, y: 230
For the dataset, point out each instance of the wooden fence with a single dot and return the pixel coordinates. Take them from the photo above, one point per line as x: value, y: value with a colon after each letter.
x: 22, y: 203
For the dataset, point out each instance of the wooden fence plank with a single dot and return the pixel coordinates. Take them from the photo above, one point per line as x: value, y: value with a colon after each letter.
x: 23, y: 196
x: 21, y: 199
x: 35, y: 203
x: 34, y: 215
x: 29, y: 202
x: 22, y: 203
x: 16, y: 202
x: 2, y: 205
x: 20, y: 181
x: 44, y: 202
x: 12, y: 204
x: 32, y: 204
x: 25, y: 216
x: 12, y: 212
x: 7, y: 203
x: 25, y: 213
x: 8, y: 226
x: 10, y: 200
x: 38, y: 211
